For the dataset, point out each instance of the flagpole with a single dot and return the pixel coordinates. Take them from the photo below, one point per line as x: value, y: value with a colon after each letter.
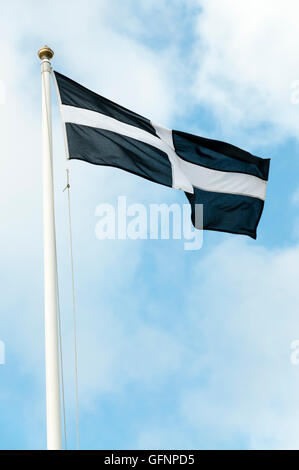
x: 50, y: 263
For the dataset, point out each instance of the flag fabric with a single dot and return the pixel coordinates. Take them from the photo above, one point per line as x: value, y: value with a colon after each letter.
x: 229, y: 182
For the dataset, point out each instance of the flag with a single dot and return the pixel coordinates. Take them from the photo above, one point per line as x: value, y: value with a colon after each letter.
x: 229, y: 182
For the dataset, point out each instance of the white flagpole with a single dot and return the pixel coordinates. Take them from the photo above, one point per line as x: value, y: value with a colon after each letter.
x: 50, y: 263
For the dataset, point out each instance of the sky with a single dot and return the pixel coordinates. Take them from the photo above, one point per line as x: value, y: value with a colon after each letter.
x: 177, y: 349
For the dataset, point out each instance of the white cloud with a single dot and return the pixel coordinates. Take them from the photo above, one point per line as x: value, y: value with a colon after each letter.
x: 242, y: 331
x: 246, y: 55
x: 231, y: 353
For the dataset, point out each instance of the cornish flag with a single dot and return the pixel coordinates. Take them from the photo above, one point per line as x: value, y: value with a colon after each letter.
x: 229, y: 182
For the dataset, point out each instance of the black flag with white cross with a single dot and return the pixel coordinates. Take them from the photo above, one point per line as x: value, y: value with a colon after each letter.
x: 229, y: 182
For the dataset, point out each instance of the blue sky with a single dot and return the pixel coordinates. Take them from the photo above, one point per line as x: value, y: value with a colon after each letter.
x: 177, y: 349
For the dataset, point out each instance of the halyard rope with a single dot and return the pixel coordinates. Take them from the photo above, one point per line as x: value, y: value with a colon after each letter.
x: 74, y: 303
x: 61, y: 364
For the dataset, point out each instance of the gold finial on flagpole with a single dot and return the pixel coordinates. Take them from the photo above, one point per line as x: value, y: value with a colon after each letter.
x: 45, y: 52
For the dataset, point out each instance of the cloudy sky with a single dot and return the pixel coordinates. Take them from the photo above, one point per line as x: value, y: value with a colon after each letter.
x: 177, y: 349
